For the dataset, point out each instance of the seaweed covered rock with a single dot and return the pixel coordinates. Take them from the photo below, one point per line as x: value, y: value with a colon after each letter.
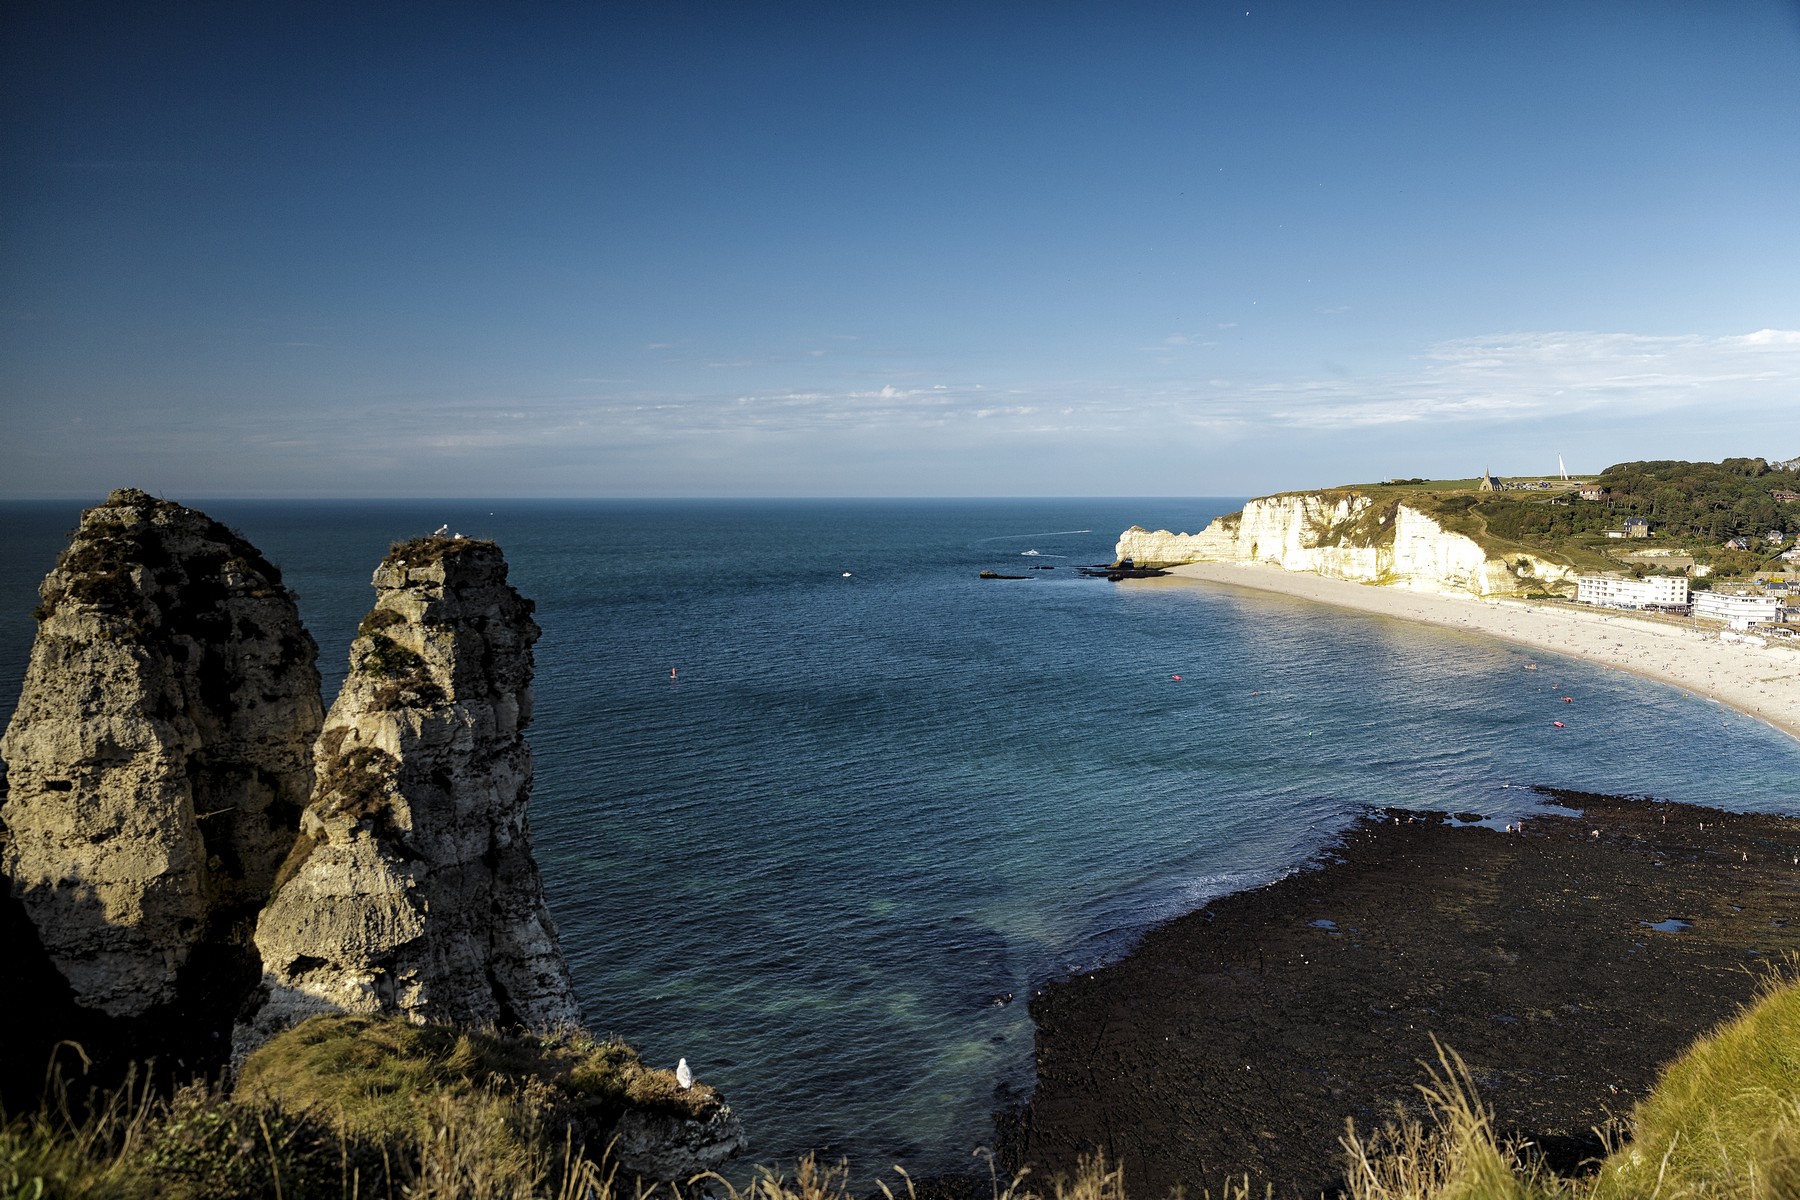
x: 158, y: 761
x: 412, y: 889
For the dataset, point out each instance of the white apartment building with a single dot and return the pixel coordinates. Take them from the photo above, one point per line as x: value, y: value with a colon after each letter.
x: 1608, y: 592
x: 1740, y: 610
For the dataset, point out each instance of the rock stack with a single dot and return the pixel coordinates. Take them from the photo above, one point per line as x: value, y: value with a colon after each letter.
x: 195, y: 858
x: 417, y: 820
x: 158, y: 761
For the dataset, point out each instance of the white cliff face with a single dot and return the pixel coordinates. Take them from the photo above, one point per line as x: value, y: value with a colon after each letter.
x: 160, y: 754
x: 413, y: 889
x: 1347, y: 536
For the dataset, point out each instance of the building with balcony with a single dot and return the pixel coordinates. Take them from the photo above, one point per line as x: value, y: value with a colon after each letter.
x: 1739, y: 610
x: 1658, y: 591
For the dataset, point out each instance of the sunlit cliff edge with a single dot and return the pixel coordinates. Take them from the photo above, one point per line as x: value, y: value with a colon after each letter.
x: 1345, y: 534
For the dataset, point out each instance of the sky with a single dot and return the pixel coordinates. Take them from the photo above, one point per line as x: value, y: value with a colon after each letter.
x: 674, y: 248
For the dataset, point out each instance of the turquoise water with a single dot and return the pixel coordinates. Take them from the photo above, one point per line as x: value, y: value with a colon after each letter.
x: 830, y: 859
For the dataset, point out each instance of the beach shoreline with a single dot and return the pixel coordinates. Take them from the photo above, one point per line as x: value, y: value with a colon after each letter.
x: 1763, y: 683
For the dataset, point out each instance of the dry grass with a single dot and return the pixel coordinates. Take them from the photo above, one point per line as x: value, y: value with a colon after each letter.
x: 1094, y: 1179
x: 342, y: 1108
x: 1724, y: 1119
x: 70, y: 1149
x: 1723, y: 1123
x: 347, y: 1108
x: 1456, y: 1157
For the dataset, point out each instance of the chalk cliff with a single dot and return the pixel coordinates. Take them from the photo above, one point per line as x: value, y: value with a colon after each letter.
x: 158, y: 760
x: 1347, y: 535
x: 412, y: 889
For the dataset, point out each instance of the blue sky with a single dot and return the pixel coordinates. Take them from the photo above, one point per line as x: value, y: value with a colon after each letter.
x: 960, y: 249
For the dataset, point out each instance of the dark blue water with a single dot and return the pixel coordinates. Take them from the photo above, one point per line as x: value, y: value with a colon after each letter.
x: 870, y: 808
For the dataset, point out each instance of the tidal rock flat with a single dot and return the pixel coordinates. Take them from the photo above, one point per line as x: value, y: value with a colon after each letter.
x: 1566, y: 961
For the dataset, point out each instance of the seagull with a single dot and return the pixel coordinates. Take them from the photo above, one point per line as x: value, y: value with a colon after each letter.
x: 684, y: 1078
x: 440, y: 531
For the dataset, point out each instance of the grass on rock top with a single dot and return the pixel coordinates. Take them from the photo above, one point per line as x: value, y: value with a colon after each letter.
x: 371, y: 1074
x: 424, y: 551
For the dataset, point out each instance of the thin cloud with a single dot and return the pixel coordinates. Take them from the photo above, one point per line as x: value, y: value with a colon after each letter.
x: 1769, y: 337
x: 1486, y: 384
x: 1528, y: 376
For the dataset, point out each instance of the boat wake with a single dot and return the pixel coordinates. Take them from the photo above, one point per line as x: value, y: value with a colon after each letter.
x: 1019, y: 537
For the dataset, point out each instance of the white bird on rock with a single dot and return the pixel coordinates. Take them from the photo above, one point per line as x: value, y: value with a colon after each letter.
x: 683, y: 1076
x: 440, y: 531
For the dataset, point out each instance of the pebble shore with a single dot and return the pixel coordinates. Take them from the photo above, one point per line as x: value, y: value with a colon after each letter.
x: 1760, y: 681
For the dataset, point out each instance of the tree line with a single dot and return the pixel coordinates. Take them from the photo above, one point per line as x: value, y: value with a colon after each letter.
x: 1682, y: 500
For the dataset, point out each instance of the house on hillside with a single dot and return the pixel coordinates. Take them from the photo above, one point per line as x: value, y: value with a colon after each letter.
x: 1737, y: 543
x: 1776, y: 537
x: 1595, y: 492
x: 1783, y: 496
x: 1637, y: 527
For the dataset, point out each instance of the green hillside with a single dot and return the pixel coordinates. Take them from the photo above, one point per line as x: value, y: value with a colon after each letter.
x: 1693, y: 508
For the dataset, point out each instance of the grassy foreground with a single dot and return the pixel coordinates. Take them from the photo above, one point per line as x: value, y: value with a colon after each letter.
x: 1723, y: 1123
x: 352, y: 1107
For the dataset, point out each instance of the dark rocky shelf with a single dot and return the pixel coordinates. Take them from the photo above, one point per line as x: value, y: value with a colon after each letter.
x: 1101, y: 571
x: 1239, y: 1038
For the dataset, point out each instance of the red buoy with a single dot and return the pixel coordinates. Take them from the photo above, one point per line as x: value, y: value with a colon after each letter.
x: 1176, y: 678
x: 1558, y: 724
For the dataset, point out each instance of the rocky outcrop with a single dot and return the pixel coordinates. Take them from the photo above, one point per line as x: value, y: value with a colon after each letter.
x: 661, y: 1146
x: 158, y: 760
x: 1347, y: 535
x: 412, y: 889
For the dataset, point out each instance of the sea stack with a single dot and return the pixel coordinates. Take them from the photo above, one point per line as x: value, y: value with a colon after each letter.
x: 157, y: 762
x: 412, y: 888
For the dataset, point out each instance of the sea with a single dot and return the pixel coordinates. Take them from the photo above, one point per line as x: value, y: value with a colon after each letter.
x: 819, y: 809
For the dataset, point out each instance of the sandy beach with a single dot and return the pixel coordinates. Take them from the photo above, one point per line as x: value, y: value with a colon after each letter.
x: 1760, y: 682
